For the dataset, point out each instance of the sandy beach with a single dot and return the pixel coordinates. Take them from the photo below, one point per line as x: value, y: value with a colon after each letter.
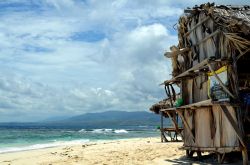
x: 132, y: 151
x: 138, y: 151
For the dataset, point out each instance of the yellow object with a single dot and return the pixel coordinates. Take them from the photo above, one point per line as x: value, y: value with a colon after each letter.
x: 211, y: 78
x: 222, y: 69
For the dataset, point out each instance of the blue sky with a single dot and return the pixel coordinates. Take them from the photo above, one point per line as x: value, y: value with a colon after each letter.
x: 69, y: 57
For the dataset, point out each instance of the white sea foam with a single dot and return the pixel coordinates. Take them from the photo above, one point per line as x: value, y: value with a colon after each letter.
x: 97, y: 131
x: 82, y: 130
x: 45, y: 145
x: 120, y: 131
x: 104, y: 131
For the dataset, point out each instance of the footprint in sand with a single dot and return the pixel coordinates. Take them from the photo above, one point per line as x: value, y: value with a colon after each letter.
x: 53, y: 153
x: 7, y: 161
x: 63, y: 154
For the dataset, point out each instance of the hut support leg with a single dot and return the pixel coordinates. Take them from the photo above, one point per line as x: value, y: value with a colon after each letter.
x: 186, y: 124
x: 189, y: 153
x: 163, y: 138
x: 162, y: 133
x: 221, y: 158
x: 199, y: 155
x: 244, y: 156
x: 175, y: 123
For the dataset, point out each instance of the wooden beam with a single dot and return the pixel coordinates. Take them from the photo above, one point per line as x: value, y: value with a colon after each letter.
x: 196, y: 67
x: 187, y: 72
x: 175, y: 53
x: 233, y: 124
x: 172, y: 120
x: 175, y: 124
x: 203, y: 103
x: 242, y: 54
x: 168, y: 109
x: 186, y: 124
x: 238, y: 133
x: 213, y: 149
x: 207, y: 37
x: 197, y: 25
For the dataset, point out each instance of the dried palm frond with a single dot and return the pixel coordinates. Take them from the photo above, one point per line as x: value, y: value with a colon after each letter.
x: 239, y: 43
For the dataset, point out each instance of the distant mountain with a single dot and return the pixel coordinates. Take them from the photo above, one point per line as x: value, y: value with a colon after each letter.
x: 112, y: 118
x: 108, y: 119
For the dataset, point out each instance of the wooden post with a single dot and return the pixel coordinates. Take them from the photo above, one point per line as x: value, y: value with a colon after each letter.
x: 244, y: 156
x: 162, y: 133
x: 175, y: 124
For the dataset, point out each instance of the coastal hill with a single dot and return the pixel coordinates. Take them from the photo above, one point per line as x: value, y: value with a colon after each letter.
x: 108, y: 119
x: 112, y: 118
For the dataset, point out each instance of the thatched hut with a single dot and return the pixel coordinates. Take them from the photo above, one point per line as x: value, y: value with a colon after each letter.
x: 210, y: 66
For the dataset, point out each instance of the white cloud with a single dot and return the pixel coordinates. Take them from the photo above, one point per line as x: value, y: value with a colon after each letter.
x: 66, y: 57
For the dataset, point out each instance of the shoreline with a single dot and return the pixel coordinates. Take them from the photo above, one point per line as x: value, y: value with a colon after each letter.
x: 58, y: 144
x: 134, y: 151
x: 123, y: 151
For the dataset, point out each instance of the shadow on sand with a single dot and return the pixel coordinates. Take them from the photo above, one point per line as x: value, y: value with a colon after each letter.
x: 209, y: 159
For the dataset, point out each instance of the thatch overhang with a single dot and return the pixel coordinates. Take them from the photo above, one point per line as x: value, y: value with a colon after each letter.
x: 210, y: 31
x: 163, y: 104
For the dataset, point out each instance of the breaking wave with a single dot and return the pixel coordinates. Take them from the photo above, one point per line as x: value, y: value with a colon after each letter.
x: 103, y: 131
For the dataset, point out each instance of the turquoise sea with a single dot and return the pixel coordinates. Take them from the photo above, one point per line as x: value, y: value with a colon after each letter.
x: 14, y: 138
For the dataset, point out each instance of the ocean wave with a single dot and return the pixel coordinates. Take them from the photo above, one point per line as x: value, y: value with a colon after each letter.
x: 121, y: 131
x: 103, y: 131
x: 82, y: 130
x: 45, y: 145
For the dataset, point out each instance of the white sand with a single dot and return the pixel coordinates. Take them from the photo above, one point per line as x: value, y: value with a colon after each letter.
x: 143, y: 151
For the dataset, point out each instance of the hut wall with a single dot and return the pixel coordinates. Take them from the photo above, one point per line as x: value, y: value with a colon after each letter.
x: 209, y: 44
x: 207, y: 48
x: 195, y: 90
x: 187, y: 91
x: 210, y: 128
x: 189, y: 117
x: 224, y: 133
x: 192, y: 40
x: 199, y: 31
x: 200, y: 88
x: 203, y: 127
